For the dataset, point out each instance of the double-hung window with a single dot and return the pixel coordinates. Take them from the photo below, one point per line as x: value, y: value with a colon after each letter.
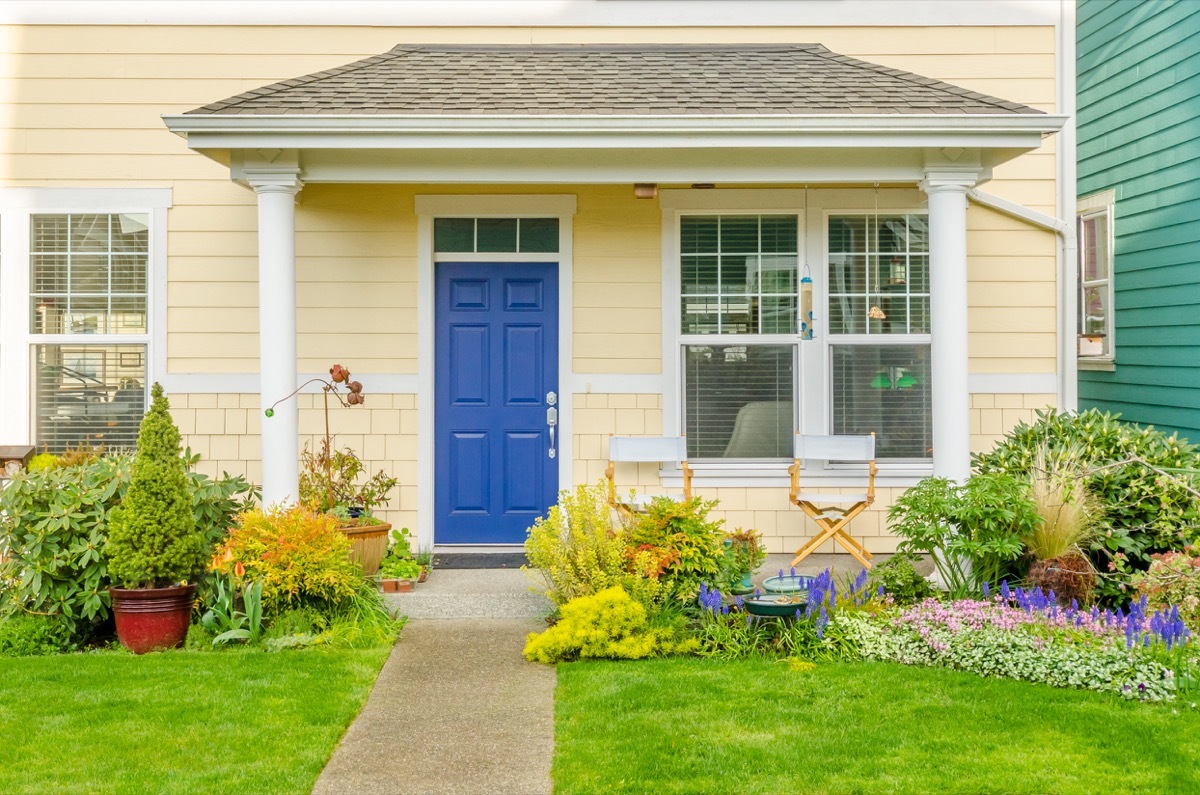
x: 88, y: 325
x: 739, y: 283
x: 1095, y: 325
x: 878, y: 288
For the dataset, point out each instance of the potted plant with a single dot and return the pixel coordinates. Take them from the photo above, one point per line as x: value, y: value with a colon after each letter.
x: 154, y: 547
x: 399, y: 570
x: 744, y: 553
x: 329, y: 478
x: 1070, y: 518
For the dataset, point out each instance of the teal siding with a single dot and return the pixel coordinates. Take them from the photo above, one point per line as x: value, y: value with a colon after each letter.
x: 1139, y: 135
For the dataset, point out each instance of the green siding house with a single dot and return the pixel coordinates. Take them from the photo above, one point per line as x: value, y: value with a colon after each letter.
x: 1138, y: 217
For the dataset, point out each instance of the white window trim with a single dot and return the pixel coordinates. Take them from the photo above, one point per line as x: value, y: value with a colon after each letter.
x: 1095, y: 205
x: 16, y: 351
x: 813, y: 398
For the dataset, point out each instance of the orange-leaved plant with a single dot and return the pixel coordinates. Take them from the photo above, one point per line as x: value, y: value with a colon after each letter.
x: 299, y: 555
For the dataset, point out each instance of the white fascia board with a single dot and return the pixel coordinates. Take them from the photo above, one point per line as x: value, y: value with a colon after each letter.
x: 440, y: 131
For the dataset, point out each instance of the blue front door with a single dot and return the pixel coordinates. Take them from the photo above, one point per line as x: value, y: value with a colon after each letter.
x: 496, y: 361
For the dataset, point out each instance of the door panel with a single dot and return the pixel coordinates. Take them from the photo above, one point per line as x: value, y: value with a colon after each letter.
x: 496, y: 358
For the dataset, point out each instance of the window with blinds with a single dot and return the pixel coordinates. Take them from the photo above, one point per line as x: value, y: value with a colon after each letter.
x: 88, y: 314
x: 879, y: 290
x: 739, y: 279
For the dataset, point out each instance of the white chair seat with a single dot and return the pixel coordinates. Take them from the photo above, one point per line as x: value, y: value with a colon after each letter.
x: 834, y: 498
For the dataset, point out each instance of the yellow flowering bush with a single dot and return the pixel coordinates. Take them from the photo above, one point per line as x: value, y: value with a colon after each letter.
x: 610, y: 624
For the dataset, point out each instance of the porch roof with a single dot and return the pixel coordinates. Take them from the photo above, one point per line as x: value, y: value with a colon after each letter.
x: 611, y: 80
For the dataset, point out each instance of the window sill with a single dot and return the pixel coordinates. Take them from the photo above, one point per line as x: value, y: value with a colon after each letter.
x: 776, y: 476
x: 1097, y: 363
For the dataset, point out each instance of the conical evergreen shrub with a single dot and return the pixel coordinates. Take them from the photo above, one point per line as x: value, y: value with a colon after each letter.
x: 152, y: 535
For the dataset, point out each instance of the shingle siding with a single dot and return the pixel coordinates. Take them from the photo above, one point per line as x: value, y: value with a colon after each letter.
x: 801, y: 79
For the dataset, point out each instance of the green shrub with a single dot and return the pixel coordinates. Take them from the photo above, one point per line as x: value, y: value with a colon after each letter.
x: 53, y: 529
x: 972, y: 531
x: 900, y: 580
x: 578, y: 548
x: 24, y: 635
x: 152, y: 536
x: 1146, y: 509
x: 610, y: 624
x: 299, y: 555
x: 42, y: 461
x: 216, y: 502
x: 689, y: 548
x: 53, y: 526
x: 1173, y: 581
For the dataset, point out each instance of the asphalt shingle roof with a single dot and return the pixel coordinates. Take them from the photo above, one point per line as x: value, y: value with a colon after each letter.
x: 610, y: 80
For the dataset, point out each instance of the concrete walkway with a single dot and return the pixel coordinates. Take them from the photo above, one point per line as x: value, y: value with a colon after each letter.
x: 456, y: 710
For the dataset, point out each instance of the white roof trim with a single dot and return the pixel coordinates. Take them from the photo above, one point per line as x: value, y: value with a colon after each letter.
x: 986, y: 131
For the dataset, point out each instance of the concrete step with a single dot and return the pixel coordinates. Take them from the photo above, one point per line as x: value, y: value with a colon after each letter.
x: 471, y: 593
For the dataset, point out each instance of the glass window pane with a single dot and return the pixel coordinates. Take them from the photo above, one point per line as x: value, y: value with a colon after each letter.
x: 739, y: 234
x: 740, y: 401
x: 739, y: 274
x: 496, y: 235
x: 89, y: 232
x: 889, y: 233
x: 1094, y: 311
x: 847, y: 234
x: 918, y: 274
x: 87, y: 315
x: 700, y: 315
x: 698, y: 234
x: 539, y: 235
x: 847, y: 275
x: 128, y: 316
x: 779, y: 234
x: 847, y: 315
x: 884, y: 389
x: 129, y: 274
x: 918, y: 314
x: 699, y: 274
x: 778, y: 274
x: 454, y: 234
x: 1095, y: 248
x: 778, y: 315
x: 89, y: 275
x: 49, y: 233
x: 49, y: 274
x: 89, y: 394
x: 130, y: 233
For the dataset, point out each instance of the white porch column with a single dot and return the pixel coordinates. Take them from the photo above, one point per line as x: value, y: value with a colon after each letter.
x: 948, y: 315
x: 277, y: 191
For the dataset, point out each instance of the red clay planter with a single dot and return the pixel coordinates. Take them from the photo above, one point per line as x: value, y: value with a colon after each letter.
x: 152, y: 619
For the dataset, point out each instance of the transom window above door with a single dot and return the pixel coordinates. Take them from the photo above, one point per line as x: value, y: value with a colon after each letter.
x: 495, y: 235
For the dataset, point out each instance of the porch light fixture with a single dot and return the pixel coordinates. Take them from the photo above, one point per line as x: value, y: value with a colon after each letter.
x: 645, y: 190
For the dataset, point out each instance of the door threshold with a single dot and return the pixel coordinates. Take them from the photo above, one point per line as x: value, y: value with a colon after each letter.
x: 477, y: 549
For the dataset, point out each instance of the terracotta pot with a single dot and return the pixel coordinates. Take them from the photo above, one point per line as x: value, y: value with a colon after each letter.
x: 152, y: 619
x: 368, y: 545
x: 396, y: 586
x: 424, y: 574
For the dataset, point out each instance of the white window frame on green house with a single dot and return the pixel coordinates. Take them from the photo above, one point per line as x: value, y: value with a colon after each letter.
x: 18, y: 369
x: 814, y: 399
x: 1095, y: 346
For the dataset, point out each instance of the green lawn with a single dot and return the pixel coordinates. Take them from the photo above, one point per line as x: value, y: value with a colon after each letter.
x: 185, y: 722
x: 706, y: 726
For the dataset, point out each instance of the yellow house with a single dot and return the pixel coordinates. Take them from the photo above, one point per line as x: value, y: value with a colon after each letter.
x: 527, y: 226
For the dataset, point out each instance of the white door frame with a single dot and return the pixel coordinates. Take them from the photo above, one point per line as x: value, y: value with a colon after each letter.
x: 428, y: 207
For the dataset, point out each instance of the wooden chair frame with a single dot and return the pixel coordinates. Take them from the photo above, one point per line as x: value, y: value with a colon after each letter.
x: 646, y: 449
x: 833, y: 520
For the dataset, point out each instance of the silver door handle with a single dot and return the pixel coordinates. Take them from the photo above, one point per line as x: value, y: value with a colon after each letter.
x: 551, y: 423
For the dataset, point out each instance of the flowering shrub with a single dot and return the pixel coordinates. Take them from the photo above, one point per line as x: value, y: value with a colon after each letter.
x: 609, y: 624
x: 298, y: 554
x: 1025, y: 635
x: 729, y: 631
x: 688, y: 547
x: 1173, y: 579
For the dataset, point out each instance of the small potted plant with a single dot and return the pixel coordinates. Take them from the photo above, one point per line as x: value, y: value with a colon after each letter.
x: 154, y: 546
x: 329, y: 478
x: 744, y: 553
x: 399, y: 570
